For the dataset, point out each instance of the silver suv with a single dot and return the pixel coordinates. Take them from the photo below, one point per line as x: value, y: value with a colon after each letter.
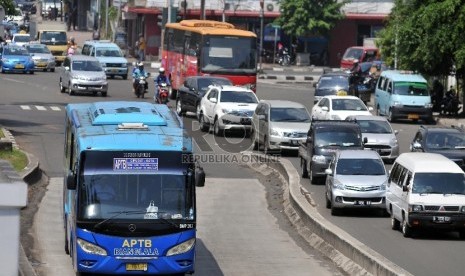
x: 83, y: 74
x: 356, y: 179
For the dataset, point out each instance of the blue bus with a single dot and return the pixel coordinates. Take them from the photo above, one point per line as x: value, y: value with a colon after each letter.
x: 129, y: 189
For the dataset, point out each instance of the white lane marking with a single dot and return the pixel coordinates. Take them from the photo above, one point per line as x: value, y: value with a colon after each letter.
x: 41, y: 108
x: 25, y: 107
x: 55, y: 108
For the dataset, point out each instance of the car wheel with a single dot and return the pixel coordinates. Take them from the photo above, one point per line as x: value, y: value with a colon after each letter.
x: 104, y: 94
x: 52, y: 70
x: 44, y: 70
x: 303, y: 168
x: 3, y: 71
x: 217, y: 131
x: 179, y: 109
x: 390, y: 116
x: 112, y: 76
x: 406, y: 229
x: 334, y: 210
x: 328, y: 201
x: 70, y: 91
x: 197, y: 112
x: 204, y: 126
x: 462, y: 234
x: 125, y: 77
x: 253, y: 140
x: 66, y: 239
x: 266, y: 147
x: 62, y: 88
x: 378, y: 111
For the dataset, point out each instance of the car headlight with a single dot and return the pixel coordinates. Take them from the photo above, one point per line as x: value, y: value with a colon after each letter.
x: 103, y: 64
x: 429, y: 105
x: 337, y: 185
x: 181, y: 248
x: 4, y: 60
x: 91, y: 248
x: 335, y: 117
x: 415, y: 208
x: 124, y: 65
x: 394, y: 141
x: 397, y: 104
x: 275, y: 132
x: 225, y: 110
x: 462, y: 209
x: 383, y: 187
x: 319, y: 159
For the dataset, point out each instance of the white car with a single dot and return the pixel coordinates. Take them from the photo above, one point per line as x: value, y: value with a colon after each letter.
x: 227, y: 108
x: 339, y: 107
x: 21, y: 39
x: 18, y: 18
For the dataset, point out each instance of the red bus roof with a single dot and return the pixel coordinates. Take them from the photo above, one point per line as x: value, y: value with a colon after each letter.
x: 209, y: 27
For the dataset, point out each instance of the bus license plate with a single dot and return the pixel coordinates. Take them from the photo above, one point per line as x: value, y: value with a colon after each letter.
x: 441, y: 219
x: 362, y: 202
x: 413, y: 117
x: 136, y: 267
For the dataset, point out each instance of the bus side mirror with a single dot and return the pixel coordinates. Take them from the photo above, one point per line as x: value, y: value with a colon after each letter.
x: 199, y: 177
x: 71, y: 181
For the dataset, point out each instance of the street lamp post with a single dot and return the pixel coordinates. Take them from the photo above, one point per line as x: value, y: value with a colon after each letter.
x: 262, y: 11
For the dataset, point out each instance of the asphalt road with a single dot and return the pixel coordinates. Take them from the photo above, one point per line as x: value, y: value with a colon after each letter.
x: 236, y: 226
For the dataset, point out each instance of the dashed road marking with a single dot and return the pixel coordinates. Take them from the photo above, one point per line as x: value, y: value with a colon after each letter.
x: 25, y: 107
x: 55, y: 108
x: 40, y: 107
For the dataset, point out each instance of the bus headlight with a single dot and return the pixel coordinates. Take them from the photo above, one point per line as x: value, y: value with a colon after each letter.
x: 181, y: 248
x: 91, y: 248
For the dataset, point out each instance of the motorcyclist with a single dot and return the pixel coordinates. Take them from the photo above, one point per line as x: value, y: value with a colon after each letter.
x: 355, y: 76
x: 162, y: 78
x: 138, y: 72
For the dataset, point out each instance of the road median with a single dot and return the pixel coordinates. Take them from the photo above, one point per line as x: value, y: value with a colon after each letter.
x: 349, y: 254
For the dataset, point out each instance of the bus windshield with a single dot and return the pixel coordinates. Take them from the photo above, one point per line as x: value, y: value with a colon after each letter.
x: 139, y: 196
x: 229, y: 54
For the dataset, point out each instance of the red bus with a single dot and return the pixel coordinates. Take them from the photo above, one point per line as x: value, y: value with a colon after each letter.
x: 205, y: 47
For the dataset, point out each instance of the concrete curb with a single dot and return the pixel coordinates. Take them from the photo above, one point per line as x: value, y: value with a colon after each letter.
x: 349, y: 254
x: 27, y: 174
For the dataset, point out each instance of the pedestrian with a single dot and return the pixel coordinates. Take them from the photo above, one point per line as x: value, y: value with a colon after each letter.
x: 73, y: 17
x: 141, y: 48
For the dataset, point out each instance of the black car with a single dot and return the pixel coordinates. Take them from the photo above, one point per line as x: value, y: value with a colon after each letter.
x: 330, y: 84
x: 448, y: 141
x: 192, y: 91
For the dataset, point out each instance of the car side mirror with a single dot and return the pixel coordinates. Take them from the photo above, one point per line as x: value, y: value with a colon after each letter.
x: 396, y: 132
x: 309, y: 140
x: 329, y: 172
x: 148, y: 74
x: 314, y: 84
x: 199, y: 177
x: 261, y: 117
x: 416, y: 146
x: 370, y: 108
x: 405, y: 188
x: 213, y: 100
x: 365, y: 140
x: 71, y: 181
x: 325, y: 108
x: 67, y: 68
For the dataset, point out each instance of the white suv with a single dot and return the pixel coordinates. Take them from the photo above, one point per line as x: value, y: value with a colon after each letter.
x: 227, y: 107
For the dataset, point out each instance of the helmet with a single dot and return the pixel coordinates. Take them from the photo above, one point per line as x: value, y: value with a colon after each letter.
x: 140, y: 64
x: 71, y: 39
x: 355, y: 61
x: 161, y: 70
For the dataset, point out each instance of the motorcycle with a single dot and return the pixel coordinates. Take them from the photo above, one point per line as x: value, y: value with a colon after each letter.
x: 163, y: 92
x: 285, y: 58
x: 141, y: 87
x: 450, y: 105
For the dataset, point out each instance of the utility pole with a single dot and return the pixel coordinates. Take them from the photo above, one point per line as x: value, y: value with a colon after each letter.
x: 202, y: 9
x: 262, y: 14
x: 107, y: 5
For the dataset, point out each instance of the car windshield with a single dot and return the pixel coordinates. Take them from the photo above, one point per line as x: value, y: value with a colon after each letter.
x: 21, y: 38
x: 360, y: 166
x: 330, y: 82
x: 348, y: 104
x: 337, y: 137
x: 374, y: 126
x: 204, y: 83
x: 411, y: 88
x: 238, y: 97
x: 86, y: 65
x: 283, y: 114
x: 442, y: 140
x: 438, y: 183
x: 108, y: 52
x: 15, y: 51
x: 38, y: 50
x: 353, y: 53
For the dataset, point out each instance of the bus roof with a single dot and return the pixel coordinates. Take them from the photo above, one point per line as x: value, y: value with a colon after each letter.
x: 210, y: 27
x: 400, y: 75
x: 126, y: 125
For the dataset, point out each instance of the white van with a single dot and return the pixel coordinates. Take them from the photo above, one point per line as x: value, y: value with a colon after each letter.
x: 426, y: 190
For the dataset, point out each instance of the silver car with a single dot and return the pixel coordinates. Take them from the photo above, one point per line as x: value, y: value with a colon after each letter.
x: 380, y: 135
x: 42, y: 57
x: 356, y: 179
x: 279, y: 125
x: 83, y: 74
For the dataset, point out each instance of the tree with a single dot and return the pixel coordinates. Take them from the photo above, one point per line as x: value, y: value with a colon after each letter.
x: 426, y: 36
x: 9, y: 7
x: 309, y: 17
